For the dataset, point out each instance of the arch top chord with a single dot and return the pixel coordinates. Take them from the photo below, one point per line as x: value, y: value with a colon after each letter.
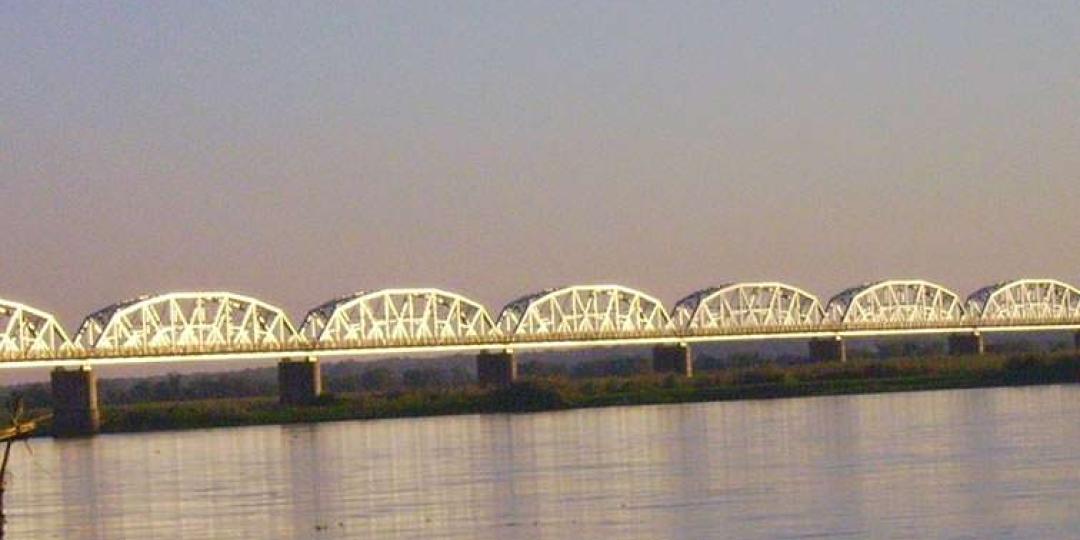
x: 748, y: 305
x: 399, y: 316
x: 188, y: 322
x: 583, y: 312
x: 1025, y: 300
x: 900, y: 301
x: 29, y: 333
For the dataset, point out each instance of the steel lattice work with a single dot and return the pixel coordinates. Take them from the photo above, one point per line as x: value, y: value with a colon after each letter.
x: 1025, y: 300
x: 584, y: 312
x: 188, y: 322
x: 748, y: 306
x: 26, y: 332
x: 398, y: 317
x: 224, y: 326
x: 898, y: 302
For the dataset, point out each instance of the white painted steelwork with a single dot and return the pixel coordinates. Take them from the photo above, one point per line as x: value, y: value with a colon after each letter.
x: 26, y: 332
x: 187, y: 322
x: 747, y: 306
x: 1024, y: 300
x: 77, y: 359
x: 584, y: 312
x: 391, y: 317
x: 202, y: 326
x: 909, y: 302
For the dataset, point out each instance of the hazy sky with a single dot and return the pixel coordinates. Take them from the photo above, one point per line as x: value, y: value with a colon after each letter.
x: 296, y: 151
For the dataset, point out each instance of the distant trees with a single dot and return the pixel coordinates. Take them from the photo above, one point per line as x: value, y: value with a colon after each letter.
x: 396, y: 375
x: 618, y: 367
x: 1015, y: 346
x: 424, y: 377
x: 908, y: 349
x: 735, y: 360
x: 543, y: 369
x: 176, y: 387
x: 376, y: 379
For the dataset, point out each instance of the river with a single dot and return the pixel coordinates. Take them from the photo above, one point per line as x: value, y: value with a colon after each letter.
x: 982, y: 463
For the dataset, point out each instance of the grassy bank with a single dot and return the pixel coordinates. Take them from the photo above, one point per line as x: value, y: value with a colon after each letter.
x: 554, y: 393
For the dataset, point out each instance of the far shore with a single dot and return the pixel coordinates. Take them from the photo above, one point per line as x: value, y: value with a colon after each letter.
x: 532, y: 394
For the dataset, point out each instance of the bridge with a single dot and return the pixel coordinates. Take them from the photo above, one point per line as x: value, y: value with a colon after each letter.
x: 217, y: 326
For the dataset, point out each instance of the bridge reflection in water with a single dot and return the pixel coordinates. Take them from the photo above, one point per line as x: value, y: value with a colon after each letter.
x: 191, y: 326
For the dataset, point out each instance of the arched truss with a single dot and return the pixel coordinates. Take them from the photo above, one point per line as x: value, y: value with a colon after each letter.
x: 401, y: 317
x: 1025, y: 300
x: 747, y: 305
x: 187, y: 322
x: 584, y: 312
x: 26, y: 332
x: 896, y: 301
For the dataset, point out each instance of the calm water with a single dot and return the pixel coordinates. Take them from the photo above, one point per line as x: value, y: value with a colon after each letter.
x: 960, y: 464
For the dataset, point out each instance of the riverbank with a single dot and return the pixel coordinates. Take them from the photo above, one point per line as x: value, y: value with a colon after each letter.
x: 556, y: 393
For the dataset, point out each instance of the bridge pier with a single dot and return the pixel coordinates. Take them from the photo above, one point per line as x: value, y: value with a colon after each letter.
x: 828, y: 350
x: 1076, y: 342
x: 676, y: 358
x: 75, y: 403
x: 299, y: 381
x: 966, y: 344
x: 496, y: 368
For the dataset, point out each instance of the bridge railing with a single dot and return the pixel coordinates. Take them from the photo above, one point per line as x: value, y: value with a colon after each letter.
x: 25, y: 356
x: 427, y: 341
x: 967, y: 322
x: 1023, y: 321
x: 589, y: 336
x: 744, y: 330
x: 66, y: 350
x: 179, y: 351
x: 900, y: 325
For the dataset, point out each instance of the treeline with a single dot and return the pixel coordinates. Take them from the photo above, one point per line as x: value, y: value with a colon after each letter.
x: 341, y: 377
x: 345, y: 377
x: 401, y: 375
x: 539, y: 393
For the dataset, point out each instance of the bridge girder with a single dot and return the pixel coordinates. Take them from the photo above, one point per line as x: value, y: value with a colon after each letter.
x: 187, y: 322
x: 901, y: 301
x: 399, y: 317
x: 584, y: 312
x: 26, y: 332
x: 747, y: 306
x: 1025, y: 300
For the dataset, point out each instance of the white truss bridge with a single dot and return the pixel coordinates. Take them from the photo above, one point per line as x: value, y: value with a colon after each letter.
x: 189, y: 326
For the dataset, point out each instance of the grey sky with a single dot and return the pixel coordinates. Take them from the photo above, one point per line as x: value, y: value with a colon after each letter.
x: 296, y: 151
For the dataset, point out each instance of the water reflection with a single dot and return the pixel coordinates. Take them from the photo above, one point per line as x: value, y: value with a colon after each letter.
x: 976, y: 463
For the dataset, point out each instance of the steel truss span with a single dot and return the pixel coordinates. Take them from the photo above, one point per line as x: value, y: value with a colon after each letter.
x: 896, y: 302
x: 193, y: 326
x: 584, y: 312
x: 398, y: 317
x: 748, y: 306
x: 26, y: 332
x: 187, y: 322
x: 1025, y: 301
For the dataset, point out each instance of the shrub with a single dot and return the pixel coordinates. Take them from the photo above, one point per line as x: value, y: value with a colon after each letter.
x: 769, y: 374
x: 531, y: 395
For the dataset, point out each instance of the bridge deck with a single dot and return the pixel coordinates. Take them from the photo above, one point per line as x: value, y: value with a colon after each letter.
x: 77, y: 357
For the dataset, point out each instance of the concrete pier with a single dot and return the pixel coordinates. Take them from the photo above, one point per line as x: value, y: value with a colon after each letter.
x: 496, y: 368
x: 299, y: 381
x: 966, y: 344
x: 675, y: 358
x: 75, y: 403
x: 1076, y: 342
x: 828, y: 350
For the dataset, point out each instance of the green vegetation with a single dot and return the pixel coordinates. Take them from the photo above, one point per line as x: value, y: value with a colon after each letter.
x: 556, y: 390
